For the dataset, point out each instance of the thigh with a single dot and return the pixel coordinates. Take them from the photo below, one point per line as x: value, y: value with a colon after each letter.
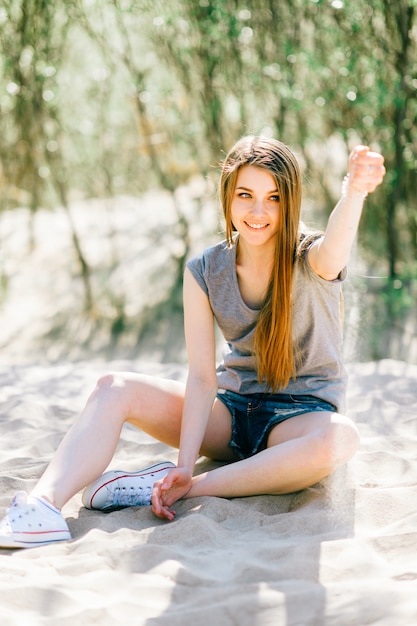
x: 155, y: 406
x: 152, y: 404
x: 216, y: 442
x: 322, y: 424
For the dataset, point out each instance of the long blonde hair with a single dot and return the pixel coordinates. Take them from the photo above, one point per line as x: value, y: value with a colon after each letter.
x: 273, y: 335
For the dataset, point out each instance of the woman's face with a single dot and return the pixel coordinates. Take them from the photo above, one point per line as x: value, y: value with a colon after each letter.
x: 255, y: 208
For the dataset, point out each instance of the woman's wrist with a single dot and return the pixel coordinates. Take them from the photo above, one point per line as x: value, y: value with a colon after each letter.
x: 347, y: 191
x: 186, y: 464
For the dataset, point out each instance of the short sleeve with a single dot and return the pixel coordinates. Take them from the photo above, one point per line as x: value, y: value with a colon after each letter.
x: 196, y: 265
x: 305, y: 243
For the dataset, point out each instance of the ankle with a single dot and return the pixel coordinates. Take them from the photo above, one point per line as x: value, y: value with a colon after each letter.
x: 45, y: 499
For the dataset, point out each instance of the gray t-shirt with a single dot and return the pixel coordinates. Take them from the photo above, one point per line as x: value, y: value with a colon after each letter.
x: 317, y: 327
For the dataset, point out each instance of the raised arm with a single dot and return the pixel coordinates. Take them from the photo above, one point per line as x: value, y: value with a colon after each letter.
x: 330, y: 254
x: 200, y: 393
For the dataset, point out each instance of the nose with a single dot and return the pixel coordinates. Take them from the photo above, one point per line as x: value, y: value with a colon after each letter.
x: 257, y: 208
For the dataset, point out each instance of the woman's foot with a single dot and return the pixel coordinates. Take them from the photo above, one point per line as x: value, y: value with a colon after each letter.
x: 117, y: 489
x: 32, y: 522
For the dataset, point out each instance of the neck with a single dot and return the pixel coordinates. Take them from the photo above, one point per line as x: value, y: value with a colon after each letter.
x: 255, y: 256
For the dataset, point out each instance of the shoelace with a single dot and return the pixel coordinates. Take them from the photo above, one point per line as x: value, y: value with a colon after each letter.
x: 20, y: 506
x: 19, y: 500
x: 17, y: 509
x: 133, y: 496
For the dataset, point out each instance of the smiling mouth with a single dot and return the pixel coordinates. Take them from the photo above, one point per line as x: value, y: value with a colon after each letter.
x: 256, y: 226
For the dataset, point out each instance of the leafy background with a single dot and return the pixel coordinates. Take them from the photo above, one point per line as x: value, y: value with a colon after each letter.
x: 114, y: 115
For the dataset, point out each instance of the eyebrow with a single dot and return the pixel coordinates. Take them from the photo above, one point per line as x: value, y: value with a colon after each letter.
x: 248, y: 189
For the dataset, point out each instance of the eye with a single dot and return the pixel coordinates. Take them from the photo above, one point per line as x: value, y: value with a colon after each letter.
x: 244, y: 194
x: 274, y: 198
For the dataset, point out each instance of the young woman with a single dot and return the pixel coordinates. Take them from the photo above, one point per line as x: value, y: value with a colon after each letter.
x: 273, y: 408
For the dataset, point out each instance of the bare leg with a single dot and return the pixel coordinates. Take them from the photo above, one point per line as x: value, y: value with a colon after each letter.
x: 302, y: 451
x: 152, y: 404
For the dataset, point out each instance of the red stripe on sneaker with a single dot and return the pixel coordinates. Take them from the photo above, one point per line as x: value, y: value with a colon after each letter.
x: 144, y: 473
x: 38, y: 532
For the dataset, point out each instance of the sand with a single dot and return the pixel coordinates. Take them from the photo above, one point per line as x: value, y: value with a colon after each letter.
x: 342, y: 553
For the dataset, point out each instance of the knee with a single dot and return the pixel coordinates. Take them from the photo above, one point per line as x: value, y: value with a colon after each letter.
x: 110, y: 392
x: 109, y: 382
x: 339, y: 442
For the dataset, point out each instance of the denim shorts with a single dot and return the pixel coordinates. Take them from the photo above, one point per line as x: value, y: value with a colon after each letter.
x: 255, y: 415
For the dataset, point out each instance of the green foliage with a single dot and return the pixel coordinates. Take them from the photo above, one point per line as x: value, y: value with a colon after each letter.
x: 105, y: 97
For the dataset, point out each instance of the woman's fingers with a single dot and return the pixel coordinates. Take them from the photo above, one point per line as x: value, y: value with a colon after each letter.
x: 159, y: 507
x: 366, y: 169
x: 167, y: 491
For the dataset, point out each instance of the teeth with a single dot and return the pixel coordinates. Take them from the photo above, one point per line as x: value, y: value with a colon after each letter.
x: 257, y: 226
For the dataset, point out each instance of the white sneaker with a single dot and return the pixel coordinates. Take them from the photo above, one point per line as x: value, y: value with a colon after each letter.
x: 31, y: 522
x: 117, y: 489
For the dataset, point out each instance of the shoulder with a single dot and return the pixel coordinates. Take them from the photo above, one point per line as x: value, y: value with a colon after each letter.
x: 212, y: 257
x: 306, y: 238
x: 211, y: 262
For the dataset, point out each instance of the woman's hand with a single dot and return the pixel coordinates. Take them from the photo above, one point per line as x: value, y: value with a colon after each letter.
x: 329, y: 255
x: 365, y: 172
x: 167, y: 491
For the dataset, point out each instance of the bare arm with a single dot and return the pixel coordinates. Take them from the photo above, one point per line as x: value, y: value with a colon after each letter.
x: 330, y: 254
x: 200, y: 393
x: 201, y: 386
